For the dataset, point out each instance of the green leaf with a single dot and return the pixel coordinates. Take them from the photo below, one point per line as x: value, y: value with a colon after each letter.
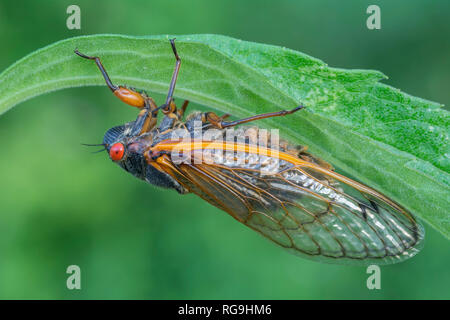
x: 389, y: 140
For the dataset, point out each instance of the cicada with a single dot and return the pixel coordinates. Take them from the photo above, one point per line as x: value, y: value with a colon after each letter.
x: 285, y: 193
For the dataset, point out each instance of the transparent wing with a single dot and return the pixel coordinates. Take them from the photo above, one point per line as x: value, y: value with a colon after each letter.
x: 306, y: 209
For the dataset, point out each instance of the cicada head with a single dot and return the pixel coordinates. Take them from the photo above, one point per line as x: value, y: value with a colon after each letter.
x: 127, y: 149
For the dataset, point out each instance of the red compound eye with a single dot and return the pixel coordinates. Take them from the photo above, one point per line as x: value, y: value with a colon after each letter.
x: 116, y: 152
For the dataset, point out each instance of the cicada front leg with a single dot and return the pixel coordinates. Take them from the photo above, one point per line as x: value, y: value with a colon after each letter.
x: 129, y: 96
x: 144, y: 121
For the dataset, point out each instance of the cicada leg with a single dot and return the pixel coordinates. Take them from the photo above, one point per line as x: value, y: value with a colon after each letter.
x: 219, y: 122
x: 181, y: 111
x: 172, y: 118
x: 126, y: 95
x: 175, y: 73
x: 145, y: 120
x: 169, y: 106
x: 169, y: 109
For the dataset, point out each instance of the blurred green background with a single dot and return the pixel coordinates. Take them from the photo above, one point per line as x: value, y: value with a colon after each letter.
x: 61, y: 205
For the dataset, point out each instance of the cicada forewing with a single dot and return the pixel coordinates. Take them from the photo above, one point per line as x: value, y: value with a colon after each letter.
x: 301, y: 206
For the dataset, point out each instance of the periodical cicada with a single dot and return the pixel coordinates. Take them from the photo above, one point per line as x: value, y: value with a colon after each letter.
x: 278, y: 189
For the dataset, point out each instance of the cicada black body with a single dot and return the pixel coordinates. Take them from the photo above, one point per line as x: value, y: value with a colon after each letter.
x: 279, y: 190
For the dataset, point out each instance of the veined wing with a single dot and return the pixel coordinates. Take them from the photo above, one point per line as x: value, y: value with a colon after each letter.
x: 305, y: 208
